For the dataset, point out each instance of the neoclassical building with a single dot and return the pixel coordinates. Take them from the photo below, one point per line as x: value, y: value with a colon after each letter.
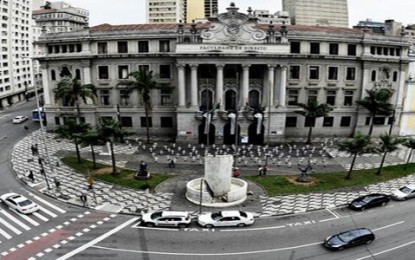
x: 255, y: 72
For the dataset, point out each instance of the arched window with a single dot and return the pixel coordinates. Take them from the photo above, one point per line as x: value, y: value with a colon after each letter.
x: 53, y: 75
x: 65, y: 73
x: 254, y: 99
x: 373, y: 77
x: 78, y: 74
x: 230, y: 100
x: 206, y: 100
x: 395, y: 76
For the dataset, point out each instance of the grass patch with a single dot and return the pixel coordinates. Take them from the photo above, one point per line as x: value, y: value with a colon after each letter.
x: 279, y: 185
x: 124, y: 177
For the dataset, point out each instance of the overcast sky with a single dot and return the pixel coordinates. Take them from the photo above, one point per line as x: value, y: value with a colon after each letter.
x: 133, y: 11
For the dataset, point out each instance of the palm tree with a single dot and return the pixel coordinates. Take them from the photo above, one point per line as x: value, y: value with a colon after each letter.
x: 360, y: 144
x: 376, y: 102
x: 73, y: 131
x: 72, y: 91
x: 410, y: 143
x: 388, y: 144
x: 109, y: 130
x: 91, y: 138
x: 311, y: 111
x: 143, y: 81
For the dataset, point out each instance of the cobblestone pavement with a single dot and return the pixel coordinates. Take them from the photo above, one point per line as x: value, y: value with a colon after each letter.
x: 107, y: 197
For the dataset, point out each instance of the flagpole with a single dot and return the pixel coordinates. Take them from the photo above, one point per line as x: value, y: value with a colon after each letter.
x: 236, y: 117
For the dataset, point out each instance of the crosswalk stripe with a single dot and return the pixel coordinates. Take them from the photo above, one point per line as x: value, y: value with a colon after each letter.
x: 15, y: 230
x: 4, y: 233
x: 15, y: 220
x: 47, y: 203
x: 40, y: 216
x: 28, y: 219
x: 53, y: 215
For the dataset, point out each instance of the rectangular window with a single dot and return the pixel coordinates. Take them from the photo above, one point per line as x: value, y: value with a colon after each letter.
x: 57, y: 121
x: 291, y: 121
x: 351, y: 49
x: 144, y: 122
x: 379, y: 120
x: 143, y: 46
x: 164, y: 71
x: 312, y: 95
x: 102, y: 48
x: 105, y: 97
x: 314, y: 72
x: 124, y: 97
x: 165, y: 96
x: 103, y: 72
x: 126, y: 121
x: 345, y: 121
x: 367, y: 121
x: 328, y: 121
x: 351, y: 73
x: 166, y: 122
x: 164, y: 46
x: 292, y: 97
x: 333, y: 72
x: 314, y: 48
x: 105, y: 118
x: 334, y: 49
x: 122, y: 47
x: 310, y: 121
x: 144, y: 67
x: 348, y: 97
x: 372, y: 50
x: 294, y: 72
x: 331, y: 97
x: 295, y: 47
x: 123, y: 71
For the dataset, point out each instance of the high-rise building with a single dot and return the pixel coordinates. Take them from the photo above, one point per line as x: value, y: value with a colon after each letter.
x: 15, y: 51
x: 318, y: 12
x: 166, y: 11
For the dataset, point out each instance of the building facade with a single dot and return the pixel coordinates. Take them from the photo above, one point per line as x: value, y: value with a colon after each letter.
x: 15, y: 51
x: 200, y: 9
x: 318, y: 12
x: 166, y: 11
x: 255, y: 72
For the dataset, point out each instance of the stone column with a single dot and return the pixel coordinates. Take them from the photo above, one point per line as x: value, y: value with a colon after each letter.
x: 46, y: 88
x: 283, y: 86
x: 181, y: 85
x: 219, y: 85
x: 245, y: 84
x: 271, y: 85
x: 193, y: 90
x: 87, y: 75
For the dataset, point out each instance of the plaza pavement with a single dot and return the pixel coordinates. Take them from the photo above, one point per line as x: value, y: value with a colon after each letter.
x: 112, y: 198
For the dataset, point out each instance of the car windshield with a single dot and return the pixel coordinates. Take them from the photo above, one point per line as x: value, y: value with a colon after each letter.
x: 24, y: 203
x: 156, y: 215
x: 243, y: 214
x: 367, y: 199
x: 405, y: 189
x: 346, y: 236
x: 216, y: 215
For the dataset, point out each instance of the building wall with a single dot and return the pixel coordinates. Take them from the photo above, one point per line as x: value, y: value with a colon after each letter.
x: 165, y: 11
x: 195, y: 10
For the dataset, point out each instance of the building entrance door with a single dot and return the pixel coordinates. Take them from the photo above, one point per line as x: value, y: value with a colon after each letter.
x: 203, y: 138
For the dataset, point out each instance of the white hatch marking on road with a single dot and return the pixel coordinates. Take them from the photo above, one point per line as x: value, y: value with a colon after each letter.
x: 44, y: 234
x: 85, y: 230
x: 4, y: 136
x: 48, y: 203
x: 96, y: 240
x: 4, y: 253
x: 52, y: 230
x: 13, y: 249
x: 59, y: 227
x: 329, y: 219
x: 5, y: 234
x: 53, y: 215
x: 71, y: 238
x: 79, y: 234
x: 29, y: 242
x: 63, y: 242
x: 36, y: 238
x: 80, y: 216
x: 28, y: 219
x: 20, y: 245
x: 48, y: 250
x: 40, y: 254
x: 391, y: 225
x: 252, y: 229
x: 337, y: 215
x: 73, y: 219
x: 15, y: 220
x: 386, y: 251
x: 12, y: 228
x: 56, y: 246
x: 66, y: 223
x: 40, y: 216
x: 100, y: 222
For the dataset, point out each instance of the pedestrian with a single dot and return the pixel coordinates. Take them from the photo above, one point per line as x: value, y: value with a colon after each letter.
x: 31, y: 176
x: 36, y: 149
x: 57, y: 184
x: 260, y: 170
x: 90, y: 182
x: 32, y: 148
x: 84, y: 199
x: 172, y: 164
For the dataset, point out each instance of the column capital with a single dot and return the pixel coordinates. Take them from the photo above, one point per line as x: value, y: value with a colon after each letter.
x: 220, y: 66
x: 271, y: 66
x: 194, y: 66
x: 246, y: 66
x: 180, y: 65
x: 284, y: 67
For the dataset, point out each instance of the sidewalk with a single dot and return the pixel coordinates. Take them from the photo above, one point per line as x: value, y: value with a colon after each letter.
x: 111, y: 198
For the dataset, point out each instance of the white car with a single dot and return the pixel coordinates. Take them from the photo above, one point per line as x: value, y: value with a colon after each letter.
x: 404, y: 192
x: 19, y: 203
x: 226, y: 218
x: 166, y: 218
x: 19, y: 119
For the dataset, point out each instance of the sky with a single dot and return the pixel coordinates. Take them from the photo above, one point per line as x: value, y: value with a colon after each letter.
x: 133, y: 11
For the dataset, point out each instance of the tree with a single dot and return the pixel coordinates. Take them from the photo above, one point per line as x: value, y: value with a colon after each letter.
x: 410, y: 143
x: 110, y: 130
x: 311, y: 111
x: 91, y: 138
x: 73, y: 131
x: 144, y: 82
x: 71, y: 90
x: 376, y: 102
x: 388, y: 144
x: 360, y: 144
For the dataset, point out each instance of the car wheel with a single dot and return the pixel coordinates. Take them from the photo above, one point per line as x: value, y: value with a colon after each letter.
x: 384, y: 203
x: 340, y: 248
x: 363, y: 208
x: 241, y: 225
x: 182, y: 225
x: 208, y: 226
x: 149, y: 224
x: 369, y: 242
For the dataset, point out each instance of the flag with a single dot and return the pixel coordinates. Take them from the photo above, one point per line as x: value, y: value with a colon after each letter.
x: 232, y: 116
x: 208, y: 119
x: 259, y: 118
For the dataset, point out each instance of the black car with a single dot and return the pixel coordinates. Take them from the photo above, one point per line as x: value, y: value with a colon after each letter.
x: 368, y: 201
x: 349, y: 238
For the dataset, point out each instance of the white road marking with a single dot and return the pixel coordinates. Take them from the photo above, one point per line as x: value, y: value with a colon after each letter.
x: 96, y: 240
x: 79, y: 234
x: 53, y: 215
x: 52, y: 230
x: 28, y: 219
x: 56, y: 246
x: 4, y: 136
x: 12, y: 228
x: 4, y: 253
x: 251, y: 229
x: 40, y: 254
x: 13, y: 249
x: 337, y: 215
x: 48, y: 203
x: 40, y: 216
x: 20, y: 245
x: 386, y: 251
x: 48, y: 250
x: 15, y: 220
x: 5, y: 234
x: 391, y: 225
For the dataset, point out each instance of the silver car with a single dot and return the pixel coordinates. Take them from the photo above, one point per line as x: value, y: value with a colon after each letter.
x: 403, y: 193
x: 166, y: 219
x: 19, y: 203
